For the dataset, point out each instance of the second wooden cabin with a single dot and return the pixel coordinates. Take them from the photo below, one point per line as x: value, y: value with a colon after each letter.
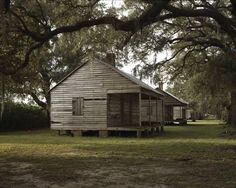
x: 175, y: 109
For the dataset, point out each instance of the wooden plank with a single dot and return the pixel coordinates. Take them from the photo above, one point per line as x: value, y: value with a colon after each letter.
x: 149, y: 108
x: 131, y: 90
x: 140, y: 109
x: 108, y: 110
x: 130, y: 110
x: 153, y: 94
x: 139, y: 134
x: 163, y: 113
x: 184, y: 113
x: 143, y: 128
x: 77, y: 133
x: 156, y: 111
x: 103, y: 133
x: 122, y: 108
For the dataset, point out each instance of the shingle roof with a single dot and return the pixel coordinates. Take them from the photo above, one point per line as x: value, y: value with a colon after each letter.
x: 165, y: 93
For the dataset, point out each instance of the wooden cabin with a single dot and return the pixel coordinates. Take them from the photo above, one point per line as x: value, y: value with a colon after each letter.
x: 97, y: 96
x: 174, y: 108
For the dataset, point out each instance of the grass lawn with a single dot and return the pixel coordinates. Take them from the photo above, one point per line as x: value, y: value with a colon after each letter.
x: 197, y: 155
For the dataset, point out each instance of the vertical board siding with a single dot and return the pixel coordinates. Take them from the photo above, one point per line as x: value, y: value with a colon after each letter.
x: 168, y: 113
x: 177, y: 112
x: 145, y: 108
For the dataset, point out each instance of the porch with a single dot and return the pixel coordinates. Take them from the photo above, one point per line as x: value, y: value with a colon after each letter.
x: 174, y: 113
x: 135, y: 111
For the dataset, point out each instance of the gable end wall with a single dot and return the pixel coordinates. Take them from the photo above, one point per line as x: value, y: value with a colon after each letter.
x: 91, y: 81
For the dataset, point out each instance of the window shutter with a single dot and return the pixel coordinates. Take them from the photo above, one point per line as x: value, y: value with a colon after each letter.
x: 77, y: 105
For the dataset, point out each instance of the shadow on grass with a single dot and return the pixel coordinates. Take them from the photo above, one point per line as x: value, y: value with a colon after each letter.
x: 142, y: 166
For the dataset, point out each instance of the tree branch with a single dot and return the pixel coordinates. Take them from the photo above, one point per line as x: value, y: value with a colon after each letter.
x: 25, y: 61
x: 148, y: 17
x: 38, y: 101
x: 225, y: 23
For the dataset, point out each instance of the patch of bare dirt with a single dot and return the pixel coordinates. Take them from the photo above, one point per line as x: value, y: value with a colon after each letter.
x: 107, y: 176
x: 126, y: 177
x: 23, y: 176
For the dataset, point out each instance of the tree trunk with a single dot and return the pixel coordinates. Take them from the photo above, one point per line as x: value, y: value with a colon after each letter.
x: 2, y: 97
x: 44, y: 105
x: 193, y: 116
x: 233, y: 108
x: 229, y: 115
x: 48, y: 101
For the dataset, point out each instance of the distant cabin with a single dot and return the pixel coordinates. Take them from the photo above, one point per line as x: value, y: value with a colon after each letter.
x: 97, y: 96
x: 175, y: 109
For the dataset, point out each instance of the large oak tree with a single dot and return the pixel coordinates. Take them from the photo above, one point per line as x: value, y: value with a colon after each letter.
x: 182, y: 25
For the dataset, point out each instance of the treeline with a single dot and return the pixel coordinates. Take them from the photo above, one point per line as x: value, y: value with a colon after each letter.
x: 23, y: 117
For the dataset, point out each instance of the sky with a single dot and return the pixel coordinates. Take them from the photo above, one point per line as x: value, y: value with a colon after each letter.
x: 116, y: 3
x: 128, y: 68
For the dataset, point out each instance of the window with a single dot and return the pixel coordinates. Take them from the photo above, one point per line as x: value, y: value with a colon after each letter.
x: 77, y: 106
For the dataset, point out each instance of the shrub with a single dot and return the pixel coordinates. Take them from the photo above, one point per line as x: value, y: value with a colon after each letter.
x: 23, y: 117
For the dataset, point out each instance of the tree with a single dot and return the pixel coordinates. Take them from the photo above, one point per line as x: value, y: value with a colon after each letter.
x: 56, y: 57
x: 2, y: 96
x: 184, y: 26
x: 202, y: 95
x: 47, y: 67
x: 4, y: 5
x: 194, y: 40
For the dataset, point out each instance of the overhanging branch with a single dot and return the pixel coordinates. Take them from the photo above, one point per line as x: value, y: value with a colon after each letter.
x: 148, y: 17
x: 25, y: 62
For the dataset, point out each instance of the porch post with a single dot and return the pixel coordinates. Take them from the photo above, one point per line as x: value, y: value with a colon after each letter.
x: 122, y: 108
x: 163, y: 120
x: 140, y: 109
x: 172, y: 113
x: 162, y: 109
x: 108, y: 110
x: 149, y: 104
x: 181, y: 114
x: 139, y: 132
x: 130, y: 110
x: 157, y: 126
x: 157, y: 111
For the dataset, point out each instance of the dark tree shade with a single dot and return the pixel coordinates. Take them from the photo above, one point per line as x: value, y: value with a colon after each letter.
x: 7, y: 5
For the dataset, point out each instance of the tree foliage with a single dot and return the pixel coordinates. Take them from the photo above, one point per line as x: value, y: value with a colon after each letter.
x: 200, y: 37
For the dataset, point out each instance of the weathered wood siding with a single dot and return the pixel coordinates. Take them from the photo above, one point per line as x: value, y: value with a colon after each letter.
x: 178, y: 113
x: 91, y: 82
x: 169, y: 113
x: 160, y: 109
x: 169, y: 100
x: 175, y: 112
